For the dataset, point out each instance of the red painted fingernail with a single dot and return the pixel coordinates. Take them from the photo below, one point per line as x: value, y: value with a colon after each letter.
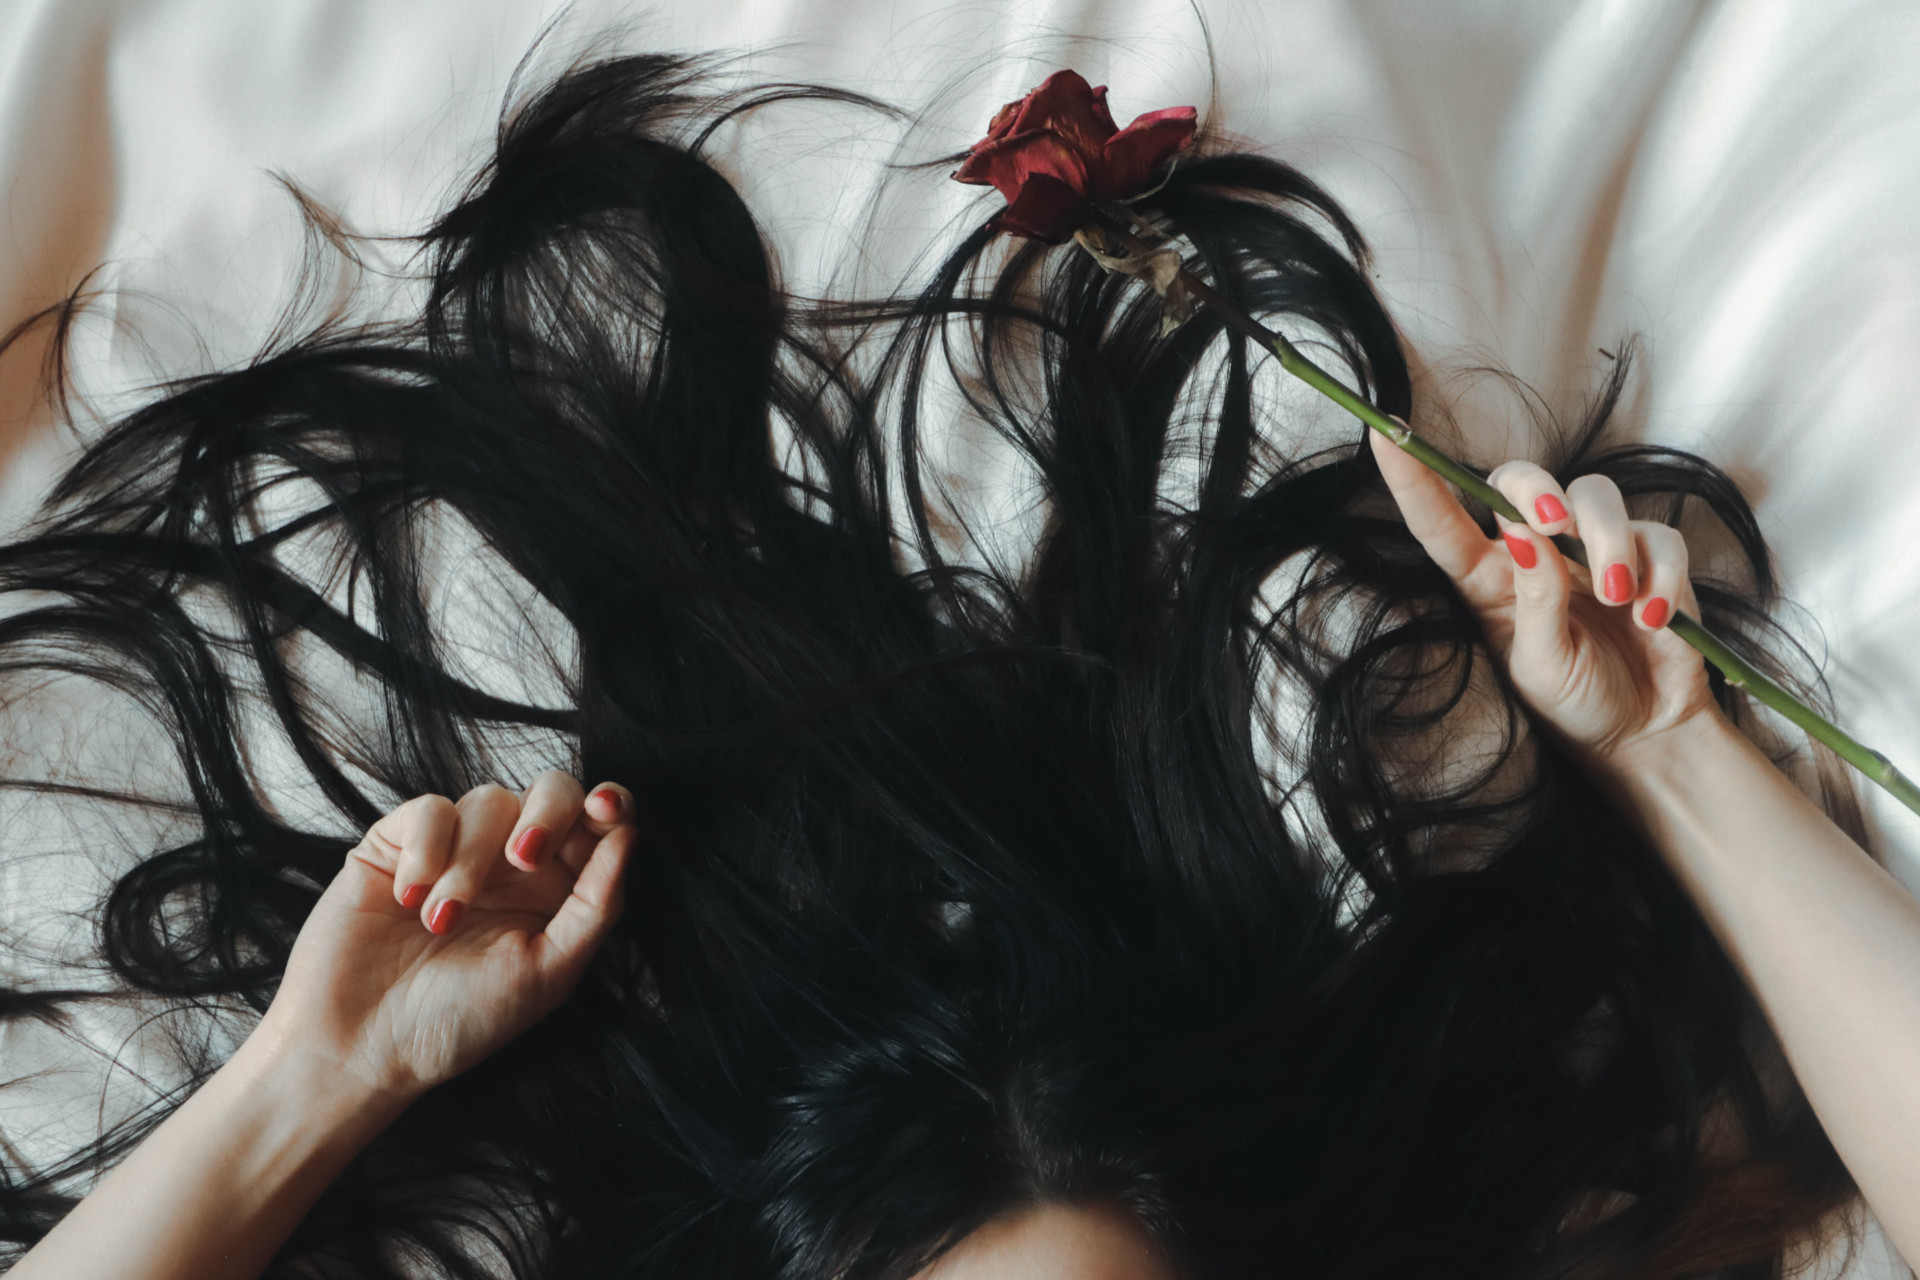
x: 1619, y: 583
x: 445, y: 916
x: 414, y: 896
x: 1548, y: 508
x: 609, y: 801
x: 531, y: 844
x: 1521, y: 548
x: 1655, y: 614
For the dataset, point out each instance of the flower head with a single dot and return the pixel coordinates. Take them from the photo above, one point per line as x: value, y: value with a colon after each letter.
x: 1056, y: 152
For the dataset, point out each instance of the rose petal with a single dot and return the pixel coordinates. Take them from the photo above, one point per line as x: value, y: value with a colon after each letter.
x: 1011, y: 163
x: 976, y: 166
x: 999, y: 127
x: 1002, y: 123
x: 1100, y: 112
x: 1066, y: 104
x: 1047, y: 209
x: 1133, y: 157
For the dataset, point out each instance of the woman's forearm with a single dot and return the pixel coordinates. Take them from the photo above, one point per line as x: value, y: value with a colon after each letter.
x: 1829, y: 942
x: 216, y: 1189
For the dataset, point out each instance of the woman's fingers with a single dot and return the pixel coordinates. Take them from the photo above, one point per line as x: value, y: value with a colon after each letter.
x: 549, y: 811
x: 1643, y: 561
x: 1629, y: 560
x: 1663, y: 562
x: 1433, y: 515
x: 1542, y: 649
x: 583, y: 920
x: 419, y: 837
x: 607, y: 807
x: 486, y: 815
x: 1532, y: 489
x: 1600, y: 521
x: 440, y: 853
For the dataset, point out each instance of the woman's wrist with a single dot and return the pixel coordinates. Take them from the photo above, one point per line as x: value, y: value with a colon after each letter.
x: 1656, y: 769
x: 277, y: 1064
x: 292, y: 1120
x: 1674, y: 745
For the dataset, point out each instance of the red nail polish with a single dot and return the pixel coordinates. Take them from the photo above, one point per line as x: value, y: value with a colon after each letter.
x: 445, y: 916
x: 1548, y: 508
x: 414, y: 896
x: 1521, y: 548
x: 1655, y: 614
x: 1619, y: 583
x: 531, y: 844
x: 609, y: 799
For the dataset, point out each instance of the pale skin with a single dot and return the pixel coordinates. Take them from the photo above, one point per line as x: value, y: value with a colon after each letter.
x: 376, y: 1008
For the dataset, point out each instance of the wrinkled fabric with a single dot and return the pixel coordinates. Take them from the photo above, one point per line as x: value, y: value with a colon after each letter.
x: 1733, y: 182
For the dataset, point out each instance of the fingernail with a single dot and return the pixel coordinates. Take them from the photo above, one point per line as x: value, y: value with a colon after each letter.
x: 1655, y: 614
x: 609, y: 801
x: 445, y: 916
x: 1548, y: 508
x: 414, y: 896
x: 531, y: 844
x: 1619, y: 583
x: 1521, y: 548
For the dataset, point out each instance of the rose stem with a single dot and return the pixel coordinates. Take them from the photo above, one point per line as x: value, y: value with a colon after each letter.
x: 1736, y: 670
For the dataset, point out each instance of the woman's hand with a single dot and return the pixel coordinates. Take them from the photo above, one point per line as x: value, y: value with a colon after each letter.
x: 389, y: 991
x: 452, y: 928
x: 1588, y: 652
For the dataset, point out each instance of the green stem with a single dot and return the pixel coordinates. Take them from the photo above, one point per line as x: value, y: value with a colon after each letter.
x: 1737, y: 671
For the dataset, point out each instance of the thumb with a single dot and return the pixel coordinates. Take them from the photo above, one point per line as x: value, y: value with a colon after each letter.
x: 1542, y: 654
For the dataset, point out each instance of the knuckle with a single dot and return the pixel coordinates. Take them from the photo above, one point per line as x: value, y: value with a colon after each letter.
x: 1593, y: 488
x: 489, y: 797
x: 556, y: 786
x: 1517, y: 476
x: 1665, y: 550
x: 1535, y: 476
x: 1531, y: 592
x: 417, y: 816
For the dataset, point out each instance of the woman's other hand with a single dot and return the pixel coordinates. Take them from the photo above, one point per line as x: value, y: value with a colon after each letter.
x: 452, y: 928
x: 1589, y: 652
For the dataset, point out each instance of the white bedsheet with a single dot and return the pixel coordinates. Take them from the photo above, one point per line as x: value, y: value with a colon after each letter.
x: 1737, y: 182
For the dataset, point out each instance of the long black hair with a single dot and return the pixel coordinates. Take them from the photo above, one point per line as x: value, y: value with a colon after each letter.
x: 1190, y: 857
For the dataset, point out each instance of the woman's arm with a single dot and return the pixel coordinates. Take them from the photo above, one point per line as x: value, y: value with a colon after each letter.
x: 216, y: 1189
x: 1829, y: 942
x: 449, y: 930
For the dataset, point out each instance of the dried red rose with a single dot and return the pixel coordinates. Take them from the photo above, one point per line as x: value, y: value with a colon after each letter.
x: 1056, y: 151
